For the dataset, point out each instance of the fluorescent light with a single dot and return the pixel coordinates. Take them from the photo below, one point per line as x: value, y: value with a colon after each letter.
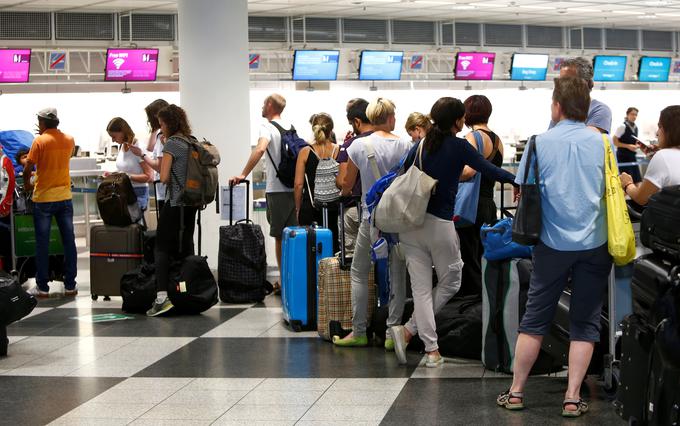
x: 463, y: 6
x: 490, y: 5
x: 627, y: 12
x: 649, y: 16
x: 538, y: 7
x: 582, y: 9
x: 658, y: 2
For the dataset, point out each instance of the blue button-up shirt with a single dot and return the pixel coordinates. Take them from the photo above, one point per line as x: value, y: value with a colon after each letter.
x: 571, y: 180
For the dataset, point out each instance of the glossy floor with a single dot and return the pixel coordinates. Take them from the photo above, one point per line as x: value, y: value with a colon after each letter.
x: 239, y: 365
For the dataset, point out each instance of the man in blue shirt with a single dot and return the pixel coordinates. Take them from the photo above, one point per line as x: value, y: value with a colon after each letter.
x: 599, y: 115
x: 573, y: 242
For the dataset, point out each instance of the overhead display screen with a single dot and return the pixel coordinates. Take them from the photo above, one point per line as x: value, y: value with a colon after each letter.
x: 654, y: 69
x: 527, y: 66
x: 15, y: 65
x: 380, y: 65
x: 609, y: 68
x: 316, y: 64
x: 474, y: 66
x: 131, y: 64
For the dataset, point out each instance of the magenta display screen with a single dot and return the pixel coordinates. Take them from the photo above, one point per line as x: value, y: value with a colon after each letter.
x: 131, y: 64
x: 15, y: 65
x: 474, y: 66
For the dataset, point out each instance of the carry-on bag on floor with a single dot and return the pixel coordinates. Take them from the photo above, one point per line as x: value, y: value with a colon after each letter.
x: 138, y: 289
x: 504, y: 298
x: 303, y: 249
x: 242, y: 261
x: 663, y: 391
x: 636, y: 344
x: 659, y: 228
x: 117, y: 201
x: 652, y: 277
x: 15, y: 303
x: 114, y: 250
x: 193, y: 288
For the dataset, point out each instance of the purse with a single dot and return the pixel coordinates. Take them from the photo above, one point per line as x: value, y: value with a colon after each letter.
x: 15, y: 303
x: 403, y: 205
x: 467, y: 197
x: 526, y: 228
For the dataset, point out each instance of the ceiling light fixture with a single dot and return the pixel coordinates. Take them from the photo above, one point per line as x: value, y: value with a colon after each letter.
x: 649, y: 16
x: 538, y: 7
x: 658, y: 3
x: 627, y: 12
x: 463, y: 6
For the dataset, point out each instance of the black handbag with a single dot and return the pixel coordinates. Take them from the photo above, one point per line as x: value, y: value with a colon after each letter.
x: 15, y: 303
x: 526, y: 228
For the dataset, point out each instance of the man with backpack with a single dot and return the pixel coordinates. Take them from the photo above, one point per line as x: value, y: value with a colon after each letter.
x: 279, y: 141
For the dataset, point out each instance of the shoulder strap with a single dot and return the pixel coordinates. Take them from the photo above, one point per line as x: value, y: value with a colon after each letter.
x: 372, y: 161
x: 278, y: 127
x: 479, y: 139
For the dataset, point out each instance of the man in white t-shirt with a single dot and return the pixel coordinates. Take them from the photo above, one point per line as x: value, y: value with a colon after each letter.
x: 280, y: 200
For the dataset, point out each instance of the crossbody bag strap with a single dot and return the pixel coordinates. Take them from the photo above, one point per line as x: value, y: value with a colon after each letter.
x: 372, y: 161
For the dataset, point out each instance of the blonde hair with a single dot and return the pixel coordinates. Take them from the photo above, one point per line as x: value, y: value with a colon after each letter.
x: 117, y: 125
x: 322, y: 126
x: 416, y: 119
x: 379, y: 110
x: 277, y: 101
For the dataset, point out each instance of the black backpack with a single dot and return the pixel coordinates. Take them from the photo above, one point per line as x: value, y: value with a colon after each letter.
x: 15, y: 303
x: 291, y: 145
x: 138, y: 289
x: 192, y: 287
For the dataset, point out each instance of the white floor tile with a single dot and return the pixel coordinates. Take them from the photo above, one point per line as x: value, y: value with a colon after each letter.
x: 138, y: 396
x: 152, y: 383
x: 254, y: 423
x: 223, y: 384
x: 166, y: 411
x: 84, y: 301
x: 243, y: 412
x: 249, y: 323
x: 295, y: 384
x: 452, y: 368
x: 86, y: 421
x: 15, y: 339
x: 209, y: 397
x: 369, y: 384
x: 158, y: 422
x: 277, y: 397
x: 335, y: 423
x: 98, y: 370
x: 109, y: 411
x: 360, y: 413
x: 41, y: 370
x: 14, y: 360
x: 41, y: 345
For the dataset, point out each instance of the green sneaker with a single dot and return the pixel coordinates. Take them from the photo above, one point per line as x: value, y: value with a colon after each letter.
x: 389, y: 345
x: 350, y: 341
x: 160, y: 308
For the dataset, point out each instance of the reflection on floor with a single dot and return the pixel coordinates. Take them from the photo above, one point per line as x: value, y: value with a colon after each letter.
x: 239, y: 364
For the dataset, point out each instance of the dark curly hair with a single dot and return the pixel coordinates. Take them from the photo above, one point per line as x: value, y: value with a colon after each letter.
x: 175, y: 119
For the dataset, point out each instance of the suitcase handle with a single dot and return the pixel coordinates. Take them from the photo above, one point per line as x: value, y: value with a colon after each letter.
x: 231, y: 202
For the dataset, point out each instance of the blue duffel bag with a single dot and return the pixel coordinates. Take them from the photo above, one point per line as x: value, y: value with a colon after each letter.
x: 498, y: 244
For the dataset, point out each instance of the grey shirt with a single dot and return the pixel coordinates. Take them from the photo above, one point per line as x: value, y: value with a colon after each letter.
x: 179, y: 150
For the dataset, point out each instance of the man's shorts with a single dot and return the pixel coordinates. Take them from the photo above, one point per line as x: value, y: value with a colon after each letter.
x: 280, y: 212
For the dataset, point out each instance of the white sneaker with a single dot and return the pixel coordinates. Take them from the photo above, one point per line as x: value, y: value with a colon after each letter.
x: 36, y: 292
x: 434, y: 361
x: 399, y: 337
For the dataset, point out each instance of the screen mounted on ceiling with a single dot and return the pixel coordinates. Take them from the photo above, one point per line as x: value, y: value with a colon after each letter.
x: 526, y: 66
x: 316, y: 64
x: 609, y: 68
x: 15, y: 65
x: 131, y: 64
x: 474, y: 66
x: 380, y: 65
x: 654, y: 69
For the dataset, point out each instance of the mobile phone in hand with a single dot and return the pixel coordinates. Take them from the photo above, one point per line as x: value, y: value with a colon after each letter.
x: 639, y: 141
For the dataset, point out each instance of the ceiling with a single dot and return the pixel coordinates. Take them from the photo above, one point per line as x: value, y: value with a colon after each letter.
x: 645, y: 14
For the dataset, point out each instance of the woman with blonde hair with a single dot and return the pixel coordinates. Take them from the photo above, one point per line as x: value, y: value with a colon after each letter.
x: 417, y: 126
x: 315, y: 173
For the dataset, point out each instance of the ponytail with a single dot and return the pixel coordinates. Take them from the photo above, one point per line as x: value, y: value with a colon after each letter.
x: 445, y: 113
x: 322, y: 126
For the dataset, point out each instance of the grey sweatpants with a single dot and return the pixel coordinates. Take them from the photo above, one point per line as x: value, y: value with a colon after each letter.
x: 361, y: 267
x: 435, y: 243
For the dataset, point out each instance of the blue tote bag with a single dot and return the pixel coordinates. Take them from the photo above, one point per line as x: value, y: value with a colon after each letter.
x: 467, y: 198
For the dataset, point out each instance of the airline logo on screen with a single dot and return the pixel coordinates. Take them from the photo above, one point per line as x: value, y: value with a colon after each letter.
x: 20, y: 58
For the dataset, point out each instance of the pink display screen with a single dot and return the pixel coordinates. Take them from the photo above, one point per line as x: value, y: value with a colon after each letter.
x: 475, y: 66
x: 131, y: 64
x: 15, y: 65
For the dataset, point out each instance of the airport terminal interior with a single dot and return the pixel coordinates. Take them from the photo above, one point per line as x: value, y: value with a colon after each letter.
x: 83, y: 359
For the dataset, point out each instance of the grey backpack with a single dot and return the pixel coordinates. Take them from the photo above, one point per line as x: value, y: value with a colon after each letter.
x: 325, y: 190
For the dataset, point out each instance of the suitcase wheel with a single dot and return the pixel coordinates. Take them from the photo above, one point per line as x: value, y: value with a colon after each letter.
x: 95, y: 297
x: 107, y: 299
x: 296, y: 325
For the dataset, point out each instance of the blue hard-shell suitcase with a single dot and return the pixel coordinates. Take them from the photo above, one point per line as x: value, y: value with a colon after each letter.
x: 303, y: 248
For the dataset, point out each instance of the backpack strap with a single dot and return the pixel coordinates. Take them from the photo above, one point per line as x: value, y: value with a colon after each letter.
x: 372, y: 161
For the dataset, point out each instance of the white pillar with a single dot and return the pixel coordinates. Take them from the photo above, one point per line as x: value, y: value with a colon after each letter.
x: 213, y: 63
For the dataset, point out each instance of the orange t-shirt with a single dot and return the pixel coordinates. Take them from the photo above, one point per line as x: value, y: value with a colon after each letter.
x: 51, y: 153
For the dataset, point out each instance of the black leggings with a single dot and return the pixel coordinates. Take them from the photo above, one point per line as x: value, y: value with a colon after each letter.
x: 168, y: 240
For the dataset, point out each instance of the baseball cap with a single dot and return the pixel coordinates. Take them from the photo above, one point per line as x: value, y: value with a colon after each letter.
x: 48, y: 113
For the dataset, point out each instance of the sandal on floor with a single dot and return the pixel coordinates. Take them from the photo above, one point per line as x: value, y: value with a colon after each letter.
x: 582, y: 407
x: 277, y: 289
x: 503, y: 400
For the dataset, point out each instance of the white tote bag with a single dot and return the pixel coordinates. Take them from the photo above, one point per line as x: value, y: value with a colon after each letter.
x: 403, y: 205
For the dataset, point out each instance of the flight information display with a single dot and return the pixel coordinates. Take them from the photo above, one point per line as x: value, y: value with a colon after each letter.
x: 316, y: 64
x: 131, y: 64
x: 15, y: 65
x: 474, y: 66
x: 609, y: 68
x: 654, y: 69
x: 526, y: 66
x: 380, y: 65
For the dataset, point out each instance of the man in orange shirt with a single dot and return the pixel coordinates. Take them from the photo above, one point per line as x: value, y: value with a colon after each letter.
x: 51, y: 153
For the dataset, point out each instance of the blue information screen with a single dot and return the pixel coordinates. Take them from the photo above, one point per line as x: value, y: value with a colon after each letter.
x: 316, y: 65
x: 380, y: 65
x: 529, y: 67
x: 609, y: 68
x: 654, y: 69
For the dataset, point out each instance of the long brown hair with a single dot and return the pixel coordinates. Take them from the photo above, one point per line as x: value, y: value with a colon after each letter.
x: 175, y: 119
x: 669, y: 121
x: 152, y: 113
x: 118, y: 124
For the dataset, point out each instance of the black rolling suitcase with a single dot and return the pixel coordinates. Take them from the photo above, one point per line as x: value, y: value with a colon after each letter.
x: 659, y: 228
x: 663, y: 391
x: 652, y: 277
x: 242, y: 261
x: 636, y: 344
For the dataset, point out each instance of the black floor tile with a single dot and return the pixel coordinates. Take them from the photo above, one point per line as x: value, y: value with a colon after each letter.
x: 277, y: 357
x: 60, y: 322
x: 40, y: 400
x: 473, y: 402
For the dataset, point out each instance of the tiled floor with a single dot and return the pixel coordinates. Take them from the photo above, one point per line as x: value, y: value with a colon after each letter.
x: 239, y: 365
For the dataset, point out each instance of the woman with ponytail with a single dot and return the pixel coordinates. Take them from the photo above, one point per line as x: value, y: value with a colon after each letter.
x: 435, y: 243
x: 314, y: 193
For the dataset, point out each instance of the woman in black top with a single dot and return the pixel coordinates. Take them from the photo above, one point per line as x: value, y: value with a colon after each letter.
x: 626, y: 145
x: 324, y: 150
x: 477, y: 112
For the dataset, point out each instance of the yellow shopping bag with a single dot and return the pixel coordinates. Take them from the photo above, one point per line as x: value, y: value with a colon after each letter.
x: 620, y: 236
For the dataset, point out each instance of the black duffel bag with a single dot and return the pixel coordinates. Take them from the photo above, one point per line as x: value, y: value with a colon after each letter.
x: 192, y: 287
x: 15, y: 303
x: 138, y: 288
x: 242, y: 264
x: 659, y: 228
